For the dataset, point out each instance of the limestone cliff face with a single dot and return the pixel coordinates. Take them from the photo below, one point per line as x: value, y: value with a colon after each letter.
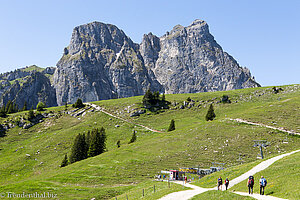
x: 30, y: 86
x: 189, y: 60
x: 101, y: 62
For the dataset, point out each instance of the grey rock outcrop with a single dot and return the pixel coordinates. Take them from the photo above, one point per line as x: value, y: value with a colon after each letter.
x: 189, y: 60
x: 33, y: 89
x: 101, y: 62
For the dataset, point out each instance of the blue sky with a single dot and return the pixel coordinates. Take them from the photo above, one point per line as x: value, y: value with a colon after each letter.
x: 261, y: 35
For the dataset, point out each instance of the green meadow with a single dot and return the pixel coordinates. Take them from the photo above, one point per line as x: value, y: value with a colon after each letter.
x: 30, y: 158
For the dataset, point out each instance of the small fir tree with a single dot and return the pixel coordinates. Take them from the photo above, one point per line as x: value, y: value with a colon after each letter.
x: 2, y: 131
x: 97, y: 142
x: 119, y: 144
x: 65, y: 161
x: 210, y: 113
x: 172, y: 126
x: 2, y: 112
x: 30, y: 114
x: 163, y: 98
x: 66, y: 106
x: 40, y: 106
x: 78, y: 104
x: 133, y: 138
x: 25, y: 106
x: 79, y: 149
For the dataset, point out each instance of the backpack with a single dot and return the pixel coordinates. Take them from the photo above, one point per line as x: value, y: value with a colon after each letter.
x: 251, y: 181
x: 264, y: 182
x: 226, y: 181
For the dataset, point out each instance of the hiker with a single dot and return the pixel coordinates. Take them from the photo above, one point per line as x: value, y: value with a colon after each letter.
x: 220, y: 183
x: 226, y: 183
x: 185, y: 179
x: 250, y: 184
x: 262, y: 184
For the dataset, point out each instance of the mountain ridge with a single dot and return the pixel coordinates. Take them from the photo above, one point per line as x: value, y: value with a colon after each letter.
x: 102, y: 62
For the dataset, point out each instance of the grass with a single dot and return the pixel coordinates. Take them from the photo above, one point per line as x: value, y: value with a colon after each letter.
x: 128, y: 169
x: 282, y: 177
x: 161, y: 189
x: 33, y: 68
x: 214, y: 194
x: 210, y: 181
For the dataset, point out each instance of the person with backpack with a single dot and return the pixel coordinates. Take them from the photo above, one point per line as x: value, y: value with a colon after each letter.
x: 250, y: 184
x: 220, y: 183
x: 262, y: 184
x: 226, y: 183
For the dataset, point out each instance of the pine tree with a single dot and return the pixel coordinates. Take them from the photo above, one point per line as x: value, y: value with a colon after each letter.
x: 163, y: 98
x: 210, y: 113
x: 25, y: 106
x: 40, y: 106
x: 2, y: 131
x: 65, y: 161
x: 2, y: 112
x: 172, y: 126
x: 78, y: 104
x: 148, y: 98
x: 97, y: 142
x: 103, y: 140
x: 94, y: 148
x: 66, y: 106
x: 133, y: 138
x: 30, y: 114
x: 88, y: 139
x: 10, y: 108
x: 119, y: 144
x: 79, y: 149
x: 7, y: 106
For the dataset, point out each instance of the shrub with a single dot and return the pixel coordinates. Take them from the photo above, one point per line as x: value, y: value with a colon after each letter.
x: 78, y: 104
x: 79, y: 149
x: 172, y: 126
x: 119, y: 144
x: 133, y: 138
x: 64, y: 162
x: 2, y: 131
x: 225, y: 99
x: 97, y: 142
x: 31, y: 114
x: 210, y: 113
x: 40, y: 106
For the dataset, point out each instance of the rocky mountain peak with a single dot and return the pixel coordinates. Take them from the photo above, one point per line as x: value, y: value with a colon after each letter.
x: 102, y: 62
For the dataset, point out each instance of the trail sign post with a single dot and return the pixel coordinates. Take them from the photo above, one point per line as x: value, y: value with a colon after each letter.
x: 260, y: 144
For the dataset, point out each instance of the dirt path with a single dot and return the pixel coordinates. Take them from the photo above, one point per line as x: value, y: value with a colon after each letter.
x: 98, y: 108
x: 187, y: 194
x: 267, y: 126
x: 258, y: 196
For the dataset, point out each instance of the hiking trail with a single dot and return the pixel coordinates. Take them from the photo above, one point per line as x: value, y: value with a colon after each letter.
x: 98, y: 108
x: 263, y: 125
x: 187, y: 194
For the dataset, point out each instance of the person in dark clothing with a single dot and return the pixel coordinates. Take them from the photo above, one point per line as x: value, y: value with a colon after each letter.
x: 220, y: 183
x: 226, y: 183
x: 262, y: 184
x: 250, y: 184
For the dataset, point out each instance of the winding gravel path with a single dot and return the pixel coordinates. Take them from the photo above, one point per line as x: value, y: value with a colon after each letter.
x: 187, y: 194
x: 267, y: 126
x: 98, y: 108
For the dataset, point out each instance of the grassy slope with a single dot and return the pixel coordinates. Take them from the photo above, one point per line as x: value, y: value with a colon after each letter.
x: 231, y: 173
x: 282, y: 176
x: 119, y: 170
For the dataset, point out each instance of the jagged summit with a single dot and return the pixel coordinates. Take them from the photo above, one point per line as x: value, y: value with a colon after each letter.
x: 102, y: 62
